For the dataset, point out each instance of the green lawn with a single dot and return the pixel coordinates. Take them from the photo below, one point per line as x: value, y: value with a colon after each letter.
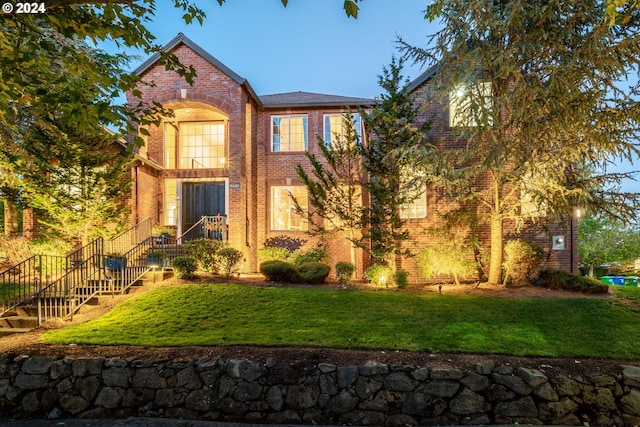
x: 222, y: 315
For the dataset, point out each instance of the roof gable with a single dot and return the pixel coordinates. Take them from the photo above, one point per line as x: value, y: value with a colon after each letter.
x: 418, y: 81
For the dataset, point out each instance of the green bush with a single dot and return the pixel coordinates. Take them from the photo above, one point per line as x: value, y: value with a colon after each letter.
x: 280, y: 271
x: 317, y: 253
x: 184, y: 267
x: 344, y: 272
x: 205, y: 253
x: 271, y: 253
x: 230, y: 261
x: 447, y: 254
x: 314, y: 273
x: 379, y: 274
x: 401, y: 278
x: 563, y: 280
x: 522, y: 260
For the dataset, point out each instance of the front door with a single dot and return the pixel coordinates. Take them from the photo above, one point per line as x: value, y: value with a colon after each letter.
x: 201, y: 199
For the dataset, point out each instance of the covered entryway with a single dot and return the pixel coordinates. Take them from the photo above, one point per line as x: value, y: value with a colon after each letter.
x: 200, y: 199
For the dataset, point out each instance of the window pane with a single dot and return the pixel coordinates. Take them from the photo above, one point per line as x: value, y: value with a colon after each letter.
x: 170, y: 202
x: 416, y: 208
x: 201, y: 144
x: 335, y: 127
x: 289, y: 133
x: 169, y: 146
x: 283, y: 215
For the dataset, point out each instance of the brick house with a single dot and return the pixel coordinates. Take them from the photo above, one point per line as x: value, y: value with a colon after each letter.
x: 231, y: 152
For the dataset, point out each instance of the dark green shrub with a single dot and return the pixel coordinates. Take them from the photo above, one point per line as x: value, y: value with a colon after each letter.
x: 289, y: 243
x: 229, y: 259
x: 271, y: 253
x: 522, y: 260
x: 401, y: 278
x: 344, y: 272
x: 205, y: 252
x: 379, y: 274
x: 184, y: 267
x: 563, y: 280
x: 317, y: 253
x: 280, y: 271
x: 314, y: 273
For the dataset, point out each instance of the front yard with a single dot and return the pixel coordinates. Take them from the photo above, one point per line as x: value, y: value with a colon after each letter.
x: 230, y: 314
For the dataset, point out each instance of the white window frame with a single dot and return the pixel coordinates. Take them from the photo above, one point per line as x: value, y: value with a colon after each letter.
x: 289, y: 189
x: 305, y: 129
x: 329, y: 133
x: 417, y: 208
x: 174, y: 147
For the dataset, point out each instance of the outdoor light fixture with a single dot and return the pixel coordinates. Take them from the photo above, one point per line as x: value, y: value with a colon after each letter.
x: 557, y: 243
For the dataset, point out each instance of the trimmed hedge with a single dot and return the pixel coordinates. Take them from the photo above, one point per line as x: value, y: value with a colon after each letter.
x: 563, y: 280
x: 313, y: 273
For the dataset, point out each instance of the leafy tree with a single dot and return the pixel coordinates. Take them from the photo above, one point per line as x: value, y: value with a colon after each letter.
x: 349, y: 167
x: 605, y: 240
x: 540, y: 86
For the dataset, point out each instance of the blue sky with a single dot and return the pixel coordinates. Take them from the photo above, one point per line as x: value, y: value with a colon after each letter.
x: 310, y: 45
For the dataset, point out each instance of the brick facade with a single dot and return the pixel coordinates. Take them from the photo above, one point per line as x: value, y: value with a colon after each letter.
x: 250, y: 168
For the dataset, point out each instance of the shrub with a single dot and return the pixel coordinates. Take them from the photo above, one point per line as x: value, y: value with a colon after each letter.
x: 184, y: 267
x: 379, y: 274
x: 280, y: 271
x: 563, y: 280
x: 205, y: 253
x: 314, y: 273
x: 272, y: 253
x: 522, y: 262
x: 401, y: 278
x: 317, y: 253
x: 447, y: 254
x: 289, y: 243
x: 344, y: 271
x: 230, y: 260
x: 15, y: 249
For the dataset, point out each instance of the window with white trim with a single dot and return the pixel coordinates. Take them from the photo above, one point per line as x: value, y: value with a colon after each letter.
x: 335, y: 127
x: 289, y: 133
x: 170, y: 202
x: 467, y: 103
x: 196, y: 145
x: 416, y: 207
x: 283, y: 214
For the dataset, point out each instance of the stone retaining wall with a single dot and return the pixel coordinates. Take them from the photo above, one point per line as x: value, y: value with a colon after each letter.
x: 373, y: 394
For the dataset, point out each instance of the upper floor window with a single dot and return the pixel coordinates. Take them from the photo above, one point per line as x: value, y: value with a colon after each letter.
x: 195, y: 145
x: 469, y: 105
x: 335, y: 127
x: 289, y: 133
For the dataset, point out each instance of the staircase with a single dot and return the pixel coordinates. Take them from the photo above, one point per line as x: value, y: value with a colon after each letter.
x: 45, y: 287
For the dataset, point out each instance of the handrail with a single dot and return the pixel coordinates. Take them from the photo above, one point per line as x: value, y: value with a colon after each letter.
x: 216, y: 226
x: 130, y: 237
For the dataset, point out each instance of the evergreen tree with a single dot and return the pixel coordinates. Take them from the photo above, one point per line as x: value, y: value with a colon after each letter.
x: 542, y: 93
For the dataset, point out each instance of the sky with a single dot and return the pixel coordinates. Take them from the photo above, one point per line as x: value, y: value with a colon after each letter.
x: 311, y: 45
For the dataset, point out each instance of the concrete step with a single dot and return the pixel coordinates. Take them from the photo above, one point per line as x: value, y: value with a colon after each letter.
x: 29, y: 322
x: 10, y: 331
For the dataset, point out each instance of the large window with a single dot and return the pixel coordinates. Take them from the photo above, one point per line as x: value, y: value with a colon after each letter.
x: 289, y: 133
x: 283, y: 214
x: 467, y: 104
x: 335, y: 127
x: 198, y: 145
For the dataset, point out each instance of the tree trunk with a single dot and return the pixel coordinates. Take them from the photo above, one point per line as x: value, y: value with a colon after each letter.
x: 495, y: 264
x: 10, y: 218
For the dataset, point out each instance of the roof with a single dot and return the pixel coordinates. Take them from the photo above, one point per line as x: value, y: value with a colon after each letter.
x: 310, y: 99
x: 182, y: 39
x: 418, y: 81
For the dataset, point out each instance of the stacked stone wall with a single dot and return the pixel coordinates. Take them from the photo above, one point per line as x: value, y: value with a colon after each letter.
x: 372, y: 394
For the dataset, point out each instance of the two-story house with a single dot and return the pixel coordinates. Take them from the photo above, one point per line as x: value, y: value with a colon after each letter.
x: 230, y: 152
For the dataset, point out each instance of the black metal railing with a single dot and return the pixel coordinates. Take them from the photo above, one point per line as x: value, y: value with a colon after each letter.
x: 130, y: 237
x: 207, y: 227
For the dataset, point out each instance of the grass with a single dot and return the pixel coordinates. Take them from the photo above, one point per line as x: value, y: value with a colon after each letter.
x: 224, y: 315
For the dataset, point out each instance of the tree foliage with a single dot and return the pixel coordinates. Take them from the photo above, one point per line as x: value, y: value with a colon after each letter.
x: 547, y: 103
x: 349, y: 168
x: 605, y: 240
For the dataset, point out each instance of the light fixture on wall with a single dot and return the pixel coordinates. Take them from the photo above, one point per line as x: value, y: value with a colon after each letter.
x: 557, y: 243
